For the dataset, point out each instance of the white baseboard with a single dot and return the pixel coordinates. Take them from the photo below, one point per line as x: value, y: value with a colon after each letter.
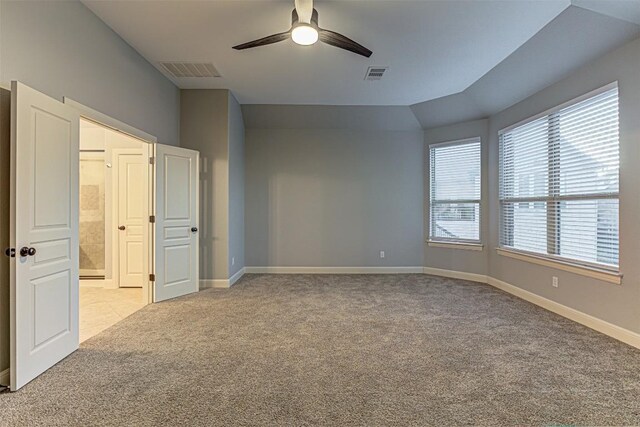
x: 233, y: 279
x: 333, y: 270
x: 4, y: 377
x: 214, y: 283
x: 614, y: 331
x: 222, y: 283
x: 456, y: 274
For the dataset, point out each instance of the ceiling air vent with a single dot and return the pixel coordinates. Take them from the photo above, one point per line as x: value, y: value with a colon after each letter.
x: 375, y: 73
x: 190, y: 69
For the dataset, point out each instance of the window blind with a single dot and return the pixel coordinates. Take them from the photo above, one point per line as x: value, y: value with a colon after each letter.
x: 559, y: 177
x: 454, y: 202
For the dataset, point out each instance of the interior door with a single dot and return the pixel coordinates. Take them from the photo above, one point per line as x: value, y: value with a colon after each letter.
x: 44, y: 232
x: 176, y: 229
x: 131, y: 182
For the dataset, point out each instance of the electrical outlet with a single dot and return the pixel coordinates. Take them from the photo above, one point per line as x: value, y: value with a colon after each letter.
x: 233, y: 260
x: 381, y: 254
x: 554, y: 282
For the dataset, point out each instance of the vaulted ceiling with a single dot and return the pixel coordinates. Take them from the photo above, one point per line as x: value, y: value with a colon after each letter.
x: 442, y: 55
x: 432, y: 48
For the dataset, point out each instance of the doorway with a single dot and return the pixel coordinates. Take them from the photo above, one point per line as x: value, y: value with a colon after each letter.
x: 42, y: 145
x: 114, y: 195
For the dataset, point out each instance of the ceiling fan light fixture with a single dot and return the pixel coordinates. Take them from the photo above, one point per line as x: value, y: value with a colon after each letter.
x: 304, y: 35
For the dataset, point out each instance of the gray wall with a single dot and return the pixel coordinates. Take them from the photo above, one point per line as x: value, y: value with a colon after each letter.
x: 62, y: 49
x: 5, y: 152
x: 236, y: 187
x: 333, y: 197
x: 204, y: 127
x: 459, y: 259
x: 211, y: 122
x: 384, y: 118
x: 616, y: 304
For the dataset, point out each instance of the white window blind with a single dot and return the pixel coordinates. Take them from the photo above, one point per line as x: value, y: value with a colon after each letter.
x: 454, y: 202
x: 559, y: 179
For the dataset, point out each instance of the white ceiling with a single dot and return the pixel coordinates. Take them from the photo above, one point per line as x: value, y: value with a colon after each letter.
x: 433, y: 48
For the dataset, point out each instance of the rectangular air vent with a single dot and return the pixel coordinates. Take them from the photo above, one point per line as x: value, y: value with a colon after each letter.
x: 375, y: 73
x: 189, y: 69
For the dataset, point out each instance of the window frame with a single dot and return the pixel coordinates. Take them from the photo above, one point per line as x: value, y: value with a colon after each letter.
x: 434, y: 241
x: 553, y: 233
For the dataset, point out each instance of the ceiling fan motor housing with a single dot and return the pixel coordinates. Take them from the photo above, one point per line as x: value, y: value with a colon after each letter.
x: 295, y: 20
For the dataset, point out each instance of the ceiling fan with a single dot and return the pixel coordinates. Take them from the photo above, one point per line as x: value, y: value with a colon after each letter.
x: 305, y: 31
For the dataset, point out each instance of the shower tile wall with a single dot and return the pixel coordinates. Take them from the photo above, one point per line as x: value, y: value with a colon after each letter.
x: 92, y: 214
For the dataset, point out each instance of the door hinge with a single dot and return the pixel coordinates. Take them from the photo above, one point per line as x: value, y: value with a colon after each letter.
x: 152, y: 160
x: 152, y: 277
x: 152, y: 219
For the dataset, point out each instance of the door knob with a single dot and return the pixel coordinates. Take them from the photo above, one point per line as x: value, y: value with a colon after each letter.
x: 25, y: 251
x: 194, y: 229
x: 122, y: 227
x: 10, y: 252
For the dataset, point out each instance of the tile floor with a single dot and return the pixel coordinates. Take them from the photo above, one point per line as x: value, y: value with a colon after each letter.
x: 102, y: 308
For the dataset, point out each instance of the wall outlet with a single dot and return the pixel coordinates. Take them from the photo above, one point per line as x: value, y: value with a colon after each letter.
x: 554, y: 282
x: 381, y: 254
x: 233, y: 260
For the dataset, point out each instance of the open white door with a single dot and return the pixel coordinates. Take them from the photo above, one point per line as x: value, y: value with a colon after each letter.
x: 176, y: 228
x: 44, y: 232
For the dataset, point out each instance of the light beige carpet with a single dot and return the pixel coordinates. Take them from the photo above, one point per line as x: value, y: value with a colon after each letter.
x: 339, y: 350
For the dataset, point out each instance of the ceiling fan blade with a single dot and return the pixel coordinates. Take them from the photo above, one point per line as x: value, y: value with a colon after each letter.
x: 275, y: 38
x: 304, y: 8
x: 338, y: 40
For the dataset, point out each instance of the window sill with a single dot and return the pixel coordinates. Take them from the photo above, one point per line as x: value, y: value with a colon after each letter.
x: 456, y: 245
x: 593, y: 272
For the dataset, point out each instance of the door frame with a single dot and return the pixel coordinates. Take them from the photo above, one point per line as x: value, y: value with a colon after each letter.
x: 88, y: 113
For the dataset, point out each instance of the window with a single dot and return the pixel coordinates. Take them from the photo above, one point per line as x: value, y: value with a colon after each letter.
x: 559, y: 182
x: 454, y: 200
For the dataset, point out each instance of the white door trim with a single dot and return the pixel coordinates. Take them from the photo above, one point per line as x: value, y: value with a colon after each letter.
x: 107, y: 121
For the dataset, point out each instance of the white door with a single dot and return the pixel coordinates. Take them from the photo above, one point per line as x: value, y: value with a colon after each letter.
x: 130, y: 187
x: 44, y: 232
x: 176, y: 230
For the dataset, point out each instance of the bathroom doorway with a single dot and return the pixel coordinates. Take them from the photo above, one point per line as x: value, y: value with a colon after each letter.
x: 113, y: 226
